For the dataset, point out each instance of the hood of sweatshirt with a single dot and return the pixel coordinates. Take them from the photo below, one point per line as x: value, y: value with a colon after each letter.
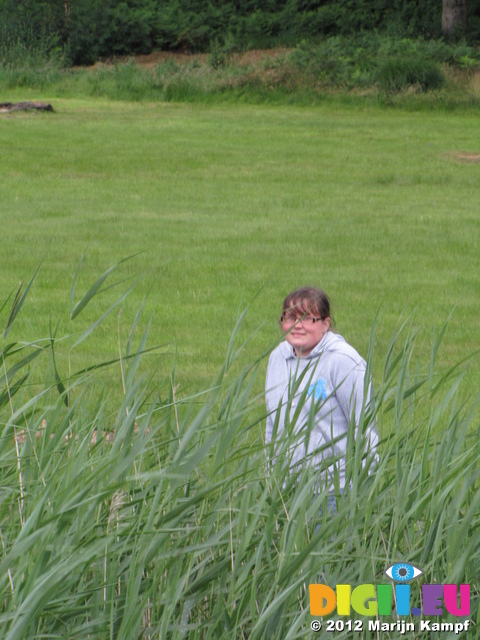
x: 329, y: 343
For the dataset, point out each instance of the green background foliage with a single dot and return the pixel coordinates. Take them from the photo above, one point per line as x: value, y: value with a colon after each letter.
x: 107, y: 28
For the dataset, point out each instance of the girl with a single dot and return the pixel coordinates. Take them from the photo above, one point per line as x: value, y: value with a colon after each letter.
x: 316, y: 388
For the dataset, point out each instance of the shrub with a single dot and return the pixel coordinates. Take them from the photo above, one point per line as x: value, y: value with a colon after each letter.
x: 354, y: 61
x: 395, y: 74
x: 31, y: 34
x: 222, y: 51
x: 327, y: 61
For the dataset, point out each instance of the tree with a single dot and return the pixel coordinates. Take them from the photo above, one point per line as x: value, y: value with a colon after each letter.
x: 454, y: 17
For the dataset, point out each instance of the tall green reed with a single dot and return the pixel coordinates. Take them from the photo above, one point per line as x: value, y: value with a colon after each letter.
x: 168, y: 518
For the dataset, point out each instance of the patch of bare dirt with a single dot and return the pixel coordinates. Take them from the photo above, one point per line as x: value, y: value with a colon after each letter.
x: 475, y: 83
x: 462, y: 156
x: 151, y: 60
x: 257, y: 55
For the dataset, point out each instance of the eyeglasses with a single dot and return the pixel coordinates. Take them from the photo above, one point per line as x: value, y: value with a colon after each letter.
x: 288, y: 318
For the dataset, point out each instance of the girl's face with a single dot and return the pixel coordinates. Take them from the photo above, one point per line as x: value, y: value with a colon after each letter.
x: 303, y: 331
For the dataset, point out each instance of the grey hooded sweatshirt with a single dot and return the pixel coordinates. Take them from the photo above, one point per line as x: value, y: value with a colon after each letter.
x: 324, y: 394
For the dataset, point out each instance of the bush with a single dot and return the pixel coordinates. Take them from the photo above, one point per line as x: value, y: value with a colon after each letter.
x: 31, y: 33
x: 107, y: 29
x: 222, y: 51
x: 327, y: 61
x: 395, y: 74
x: 370, y: 58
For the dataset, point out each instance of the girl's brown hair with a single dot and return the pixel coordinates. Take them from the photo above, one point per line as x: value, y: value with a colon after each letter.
x: 307, y: 300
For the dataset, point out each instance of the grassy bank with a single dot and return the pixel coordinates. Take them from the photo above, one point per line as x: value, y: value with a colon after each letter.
x: 368, y: 68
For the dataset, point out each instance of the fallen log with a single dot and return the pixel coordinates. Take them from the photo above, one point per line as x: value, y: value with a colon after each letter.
x: 6, y: 107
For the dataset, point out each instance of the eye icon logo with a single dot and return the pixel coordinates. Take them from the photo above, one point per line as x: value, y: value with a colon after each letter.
x: 403, y: 572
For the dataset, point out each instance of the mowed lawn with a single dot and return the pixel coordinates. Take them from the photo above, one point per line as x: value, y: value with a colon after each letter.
x: 226, y: 203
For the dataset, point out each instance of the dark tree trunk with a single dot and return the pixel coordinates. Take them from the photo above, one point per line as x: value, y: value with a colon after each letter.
x: 454, y: 17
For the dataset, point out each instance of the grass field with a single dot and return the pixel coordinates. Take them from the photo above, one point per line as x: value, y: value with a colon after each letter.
x: 178, y: 529
x: 226, y: 202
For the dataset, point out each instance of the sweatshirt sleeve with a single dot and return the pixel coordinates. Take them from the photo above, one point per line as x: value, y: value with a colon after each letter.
x: 270, y: 411
x: 269, y: 428
x: 350, y: 392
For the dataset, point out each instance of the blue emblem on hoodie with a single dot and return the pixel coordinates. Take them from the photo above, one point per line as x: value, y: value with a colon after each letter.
x: 318, y: 390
